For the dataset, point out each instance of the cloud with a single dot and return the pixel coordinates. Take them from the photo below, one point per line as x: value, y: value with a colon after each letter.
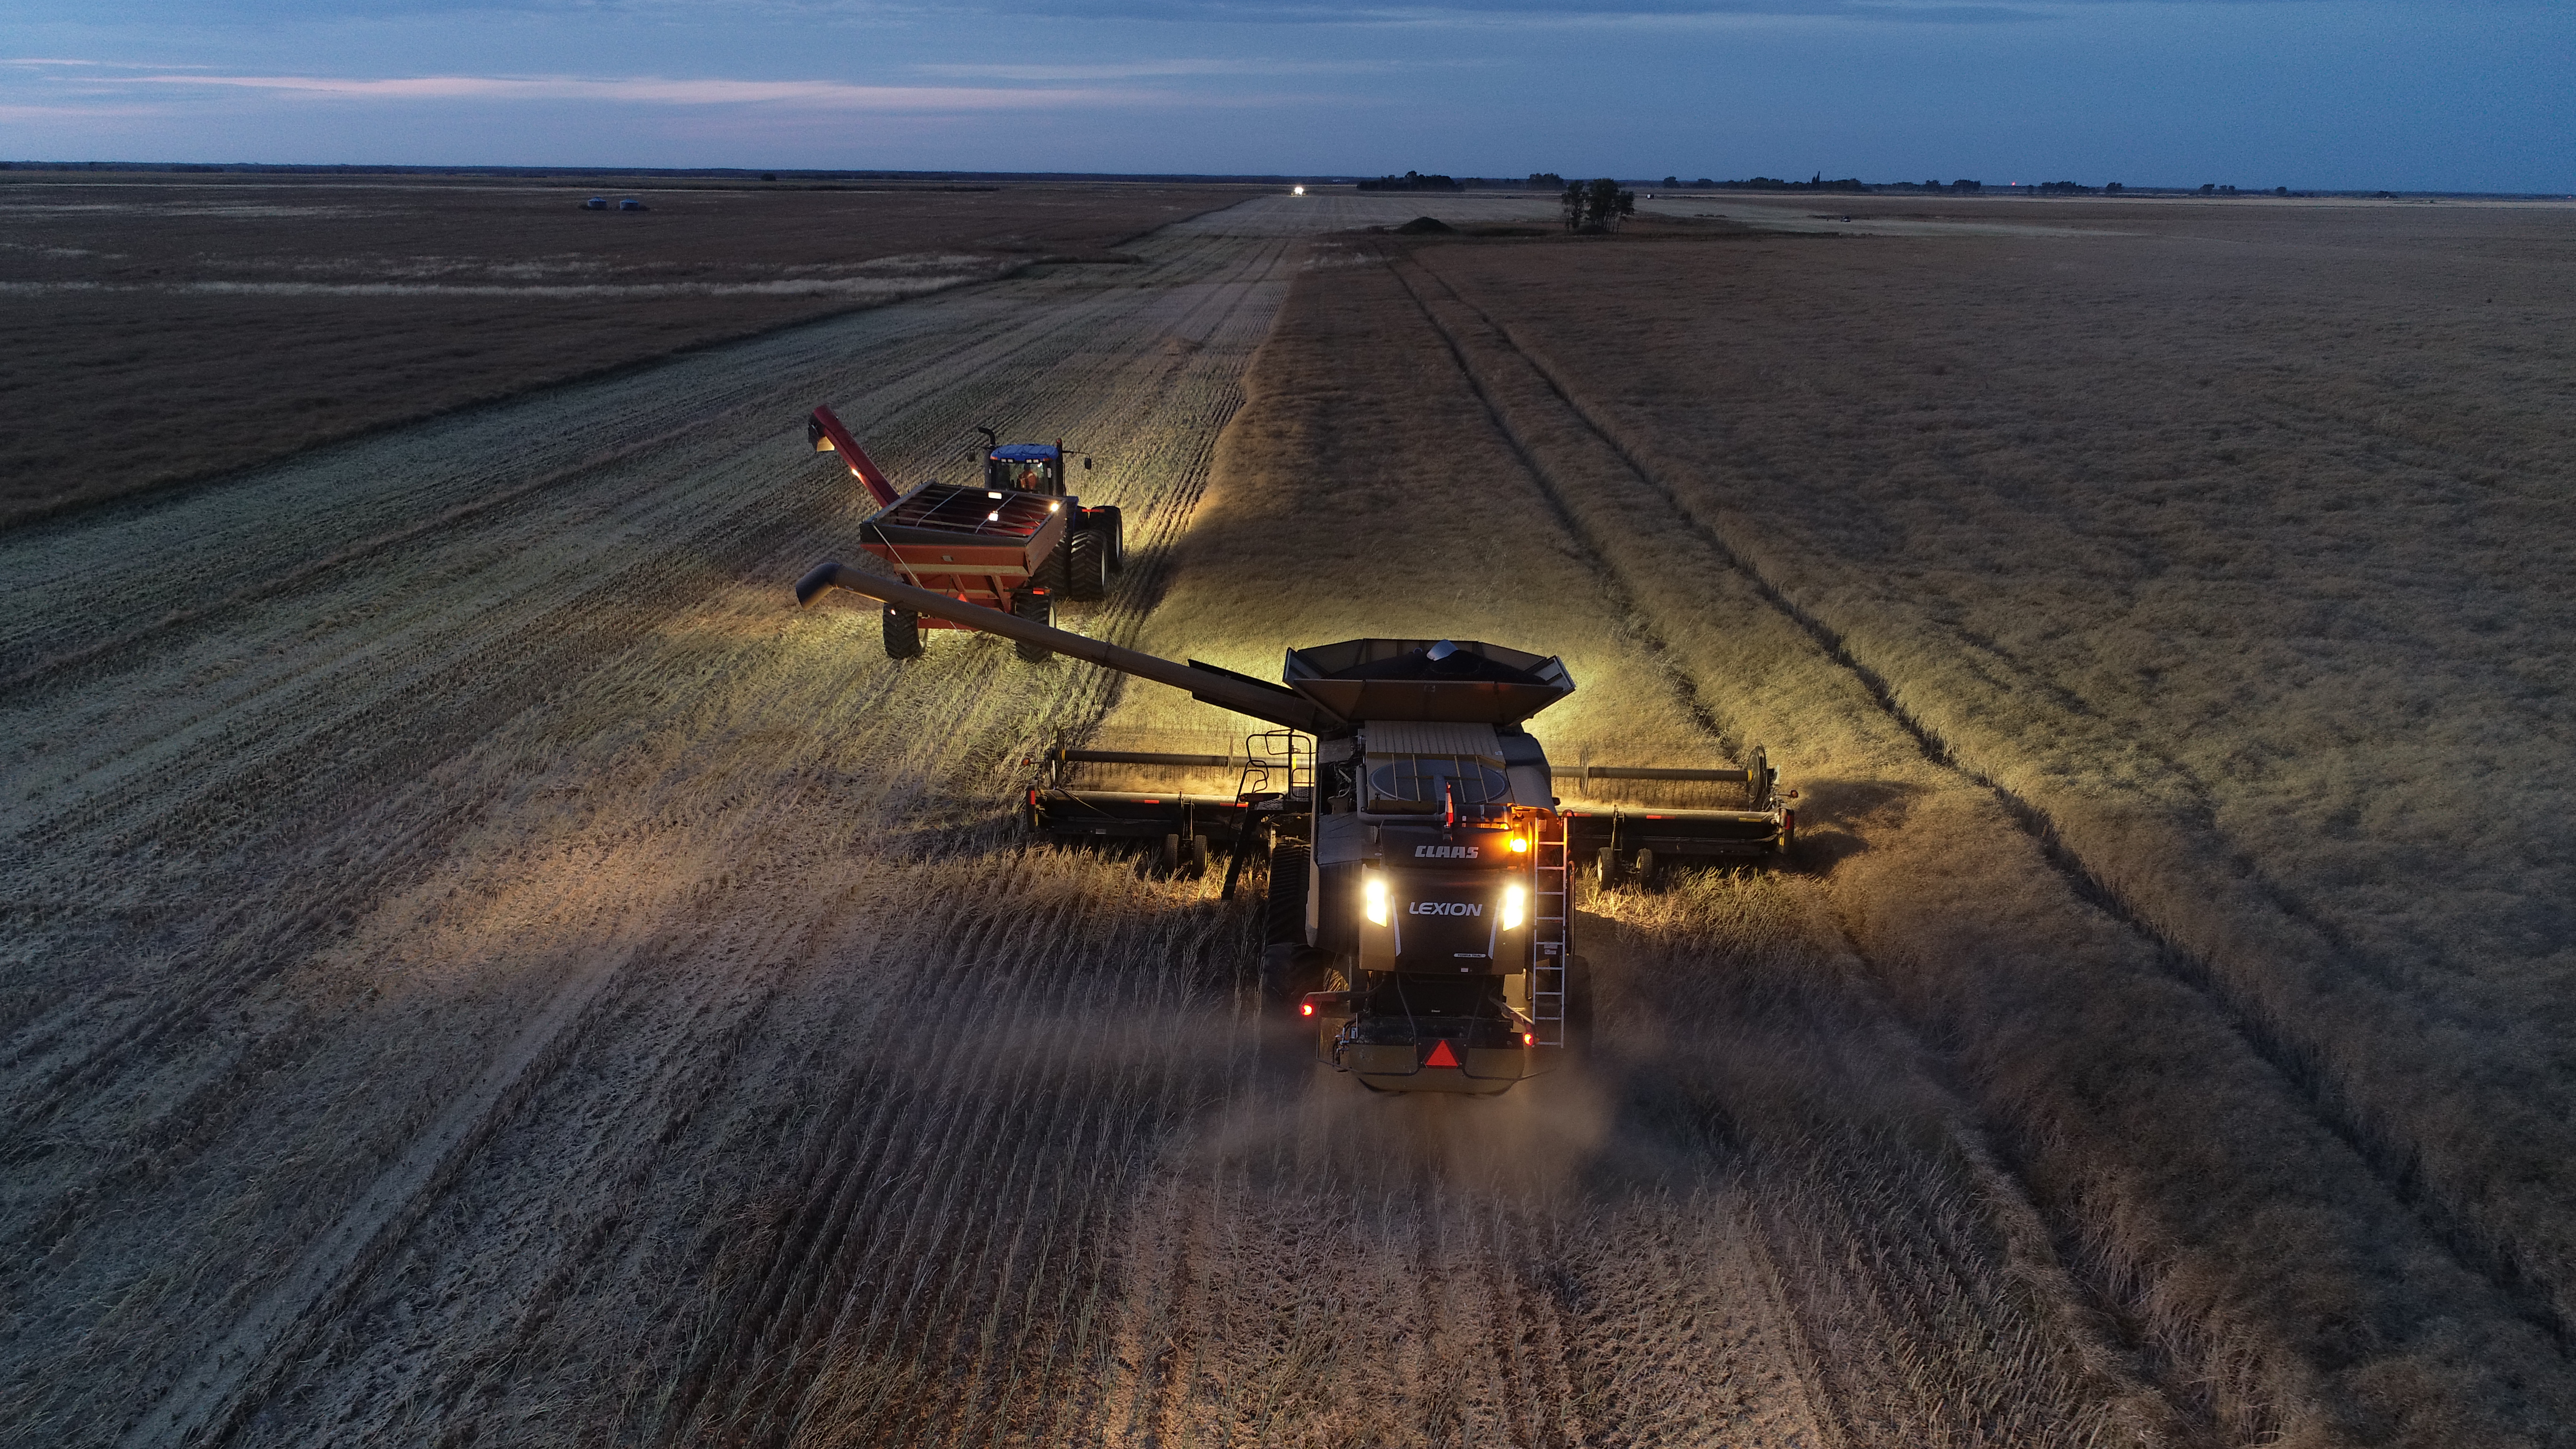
x: 652, y: 90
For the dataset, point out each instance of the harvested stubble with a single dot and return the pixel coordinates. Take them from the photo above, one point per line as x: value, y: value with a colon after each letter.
x: 1962, y: 529
x: 159, y: 330
x: 1655, y: 1209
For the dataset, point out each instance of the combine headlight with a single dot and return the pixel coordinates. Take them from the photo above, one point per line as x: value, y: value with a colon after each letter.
x: 1515, y: 903
x: 1373, y: 898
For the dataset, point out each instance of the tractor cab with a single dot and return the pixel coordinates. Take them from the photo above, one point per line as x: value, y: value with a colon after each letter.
x: 1026, y: 468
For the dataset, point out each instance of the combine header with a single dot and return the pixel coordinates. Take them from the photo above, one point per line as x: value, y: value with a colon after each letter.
x: 1421, y: 865
x: 1016, y: 544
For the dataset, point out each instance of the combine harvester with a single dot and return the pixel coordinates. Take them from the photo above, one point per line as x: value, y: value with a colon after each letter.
x: 1421, y: 869
x: 1016, y: 544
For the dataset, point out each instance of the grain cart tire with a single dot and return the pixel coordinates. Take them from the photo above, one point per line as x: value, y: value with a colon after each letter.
x: 1578, y: 1004
x: 1171, y: 857
x: 1038, y: 607
x: 1788, y: 840
x: 1605, y: 868
x: 1111, y: 525
x: 1085, y: 566
x: 1643, y: 867
x: 902, y: 633
x: 1198, y: 857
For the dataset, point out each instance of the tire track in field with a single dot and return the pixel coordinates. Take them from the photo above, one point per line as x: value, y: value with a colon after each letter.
x: 346, y: 1259
x: 2298, y: 1063
x: 1624, y: 593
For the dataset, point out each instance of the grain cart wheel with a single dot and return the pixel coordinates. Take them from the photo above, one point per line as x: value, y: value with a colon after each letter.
x: 1111, y: 525
x: 902, y: 633
x: 1644, y: 868
x: 1578, y: 1004
x: 1038, y: 607
x: 1788, y: 840
x: 1198, y: 857
x: 1171, y: 857
x: 1085, y: 566
x: 1605, y: 868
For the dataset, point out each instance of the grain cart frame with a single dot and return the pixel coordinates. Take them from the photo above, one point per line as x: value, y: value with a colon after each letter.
x: 1015, y: 549
x: 1420, y: 885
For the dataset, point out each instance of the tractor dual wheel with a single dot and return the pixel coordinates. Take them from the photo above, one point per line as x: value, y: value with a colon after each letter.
x: 1038, y: 607
x: 1086, y: 566
x: 1111, y: 525
x: 902, y: 633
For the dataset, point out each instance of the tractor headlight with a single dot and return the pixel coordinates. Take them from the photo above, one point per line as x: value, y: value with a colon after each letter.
x: 1515, y: 904
x: 1373, y: 898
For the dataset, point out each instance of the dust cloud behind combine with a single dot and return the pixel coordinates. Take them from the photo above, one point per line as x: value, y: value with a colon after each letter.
x: 482, y: 967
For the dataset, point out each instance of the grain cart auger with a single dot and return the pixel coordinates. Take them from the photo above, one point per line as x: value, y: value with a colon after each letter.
x: 1421, y: 868
x: 1017, y: 543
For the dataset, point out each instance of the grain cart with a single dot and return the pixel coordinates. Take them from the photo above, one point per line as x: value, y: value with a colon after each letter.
x: 1420, y: 868
x: 1013, y: 548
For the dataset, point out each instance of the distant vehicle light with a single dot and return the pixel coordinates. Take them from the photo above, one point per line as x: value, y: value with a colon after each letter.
x: 1515, y: 901
x: 1373, y: 894
x: 1296, y: 191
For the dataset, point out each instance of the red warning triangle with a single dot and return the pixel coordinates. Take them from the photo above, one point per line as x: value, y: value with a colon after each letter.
x: 1440, y: 1056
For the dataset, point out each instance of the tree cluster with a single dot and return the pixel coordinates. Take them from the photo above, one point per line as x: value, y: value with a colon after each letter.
x: 1598, y: 205
x: 1412, y: 181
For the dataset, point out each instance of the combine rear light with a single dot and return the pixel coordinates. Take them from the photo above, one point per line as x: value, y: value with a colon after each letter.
x: 1529, y: 1038
x: 1373, y: 898
x: 1520, y: 846
x: 1515, y: 901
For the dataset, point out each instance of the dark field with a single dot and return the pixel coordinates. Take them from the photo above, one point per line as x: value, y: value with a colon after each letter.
x: 159, y: 330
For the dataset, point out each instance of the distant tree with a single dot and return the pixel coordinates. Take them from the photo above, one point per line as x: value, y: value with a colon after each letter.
x: 1574, y: 203
x: 2280, y: 191
x: 1672, y: 181
x: 1545, y: 181
x: 2208, y: 187
x: 1601, y: 203
x: 2112, y: 188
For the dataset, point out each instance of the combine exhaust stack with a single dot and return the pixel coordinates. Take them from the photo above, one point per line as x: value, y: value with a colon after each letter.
x: 1422, y: 867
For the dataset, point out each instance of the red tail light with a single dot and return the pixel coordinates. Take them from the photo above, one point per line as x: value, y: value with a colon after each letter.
x: 1305, y: 1008
x: 1529, y: 1038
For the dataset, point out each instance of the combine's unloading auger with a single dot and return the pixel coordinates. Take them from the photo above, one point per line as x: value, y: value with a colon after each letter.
x: 1421, y: 865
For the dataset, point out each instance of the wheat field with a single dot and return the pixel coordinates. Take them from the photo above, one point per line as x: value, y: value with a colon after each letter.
x: 483, y: 967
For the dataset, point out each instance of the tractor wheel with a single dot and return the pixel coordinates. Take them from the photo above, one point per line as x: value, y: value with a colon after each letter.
x: 1605, y: 868
x: 1578, y: 1004
x: 1111, y: 525
x: 1038, y: 607
x: 902, y: 633
x: 1085, y: 566
x: 1171, y: 860
x: 1198, y: 857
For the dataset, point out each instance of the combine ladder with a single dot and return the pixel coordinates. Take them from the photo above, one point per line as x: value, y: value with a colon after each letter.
x: 1551, y: 927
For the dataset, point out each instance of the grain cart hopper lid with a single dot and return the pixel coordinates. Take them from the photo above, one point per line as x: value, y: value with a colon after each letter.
x: 1459, y: 681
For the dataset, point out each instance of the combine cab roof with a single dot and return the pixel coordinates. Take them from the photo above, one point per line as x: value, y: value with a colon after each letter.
x: 1460, y: 681
x: 1028, y: 453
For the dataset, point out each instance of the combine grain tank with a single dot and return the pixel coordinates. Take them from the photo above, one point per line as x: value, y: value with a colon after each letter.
x: 1421, y: 864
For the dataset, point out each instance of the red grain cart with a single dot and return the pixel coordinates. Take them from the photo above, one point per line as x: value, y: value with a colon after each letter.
x: 1016, y: 548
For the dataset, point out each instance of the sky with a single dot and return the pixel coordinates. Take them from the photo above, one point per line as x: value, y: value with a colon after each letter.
x: 2465, y: 95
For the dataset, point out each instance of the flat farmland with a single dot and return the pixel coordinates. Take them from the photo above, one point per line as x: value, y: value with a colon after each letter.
x: 160, y: 330
x: 483, y: 967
